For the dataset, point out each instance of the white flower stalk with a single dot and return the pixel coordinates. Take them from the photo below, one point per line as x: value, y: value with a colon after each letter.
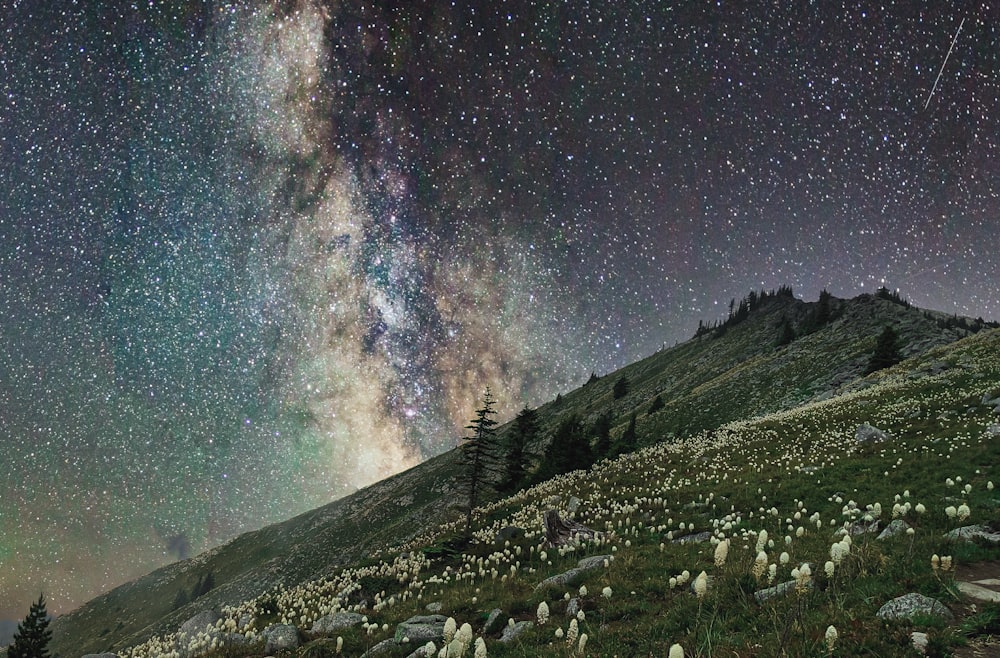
x: 701, y: 585
x: 951, y: 511
x: 450, y: 628
x: 542, y: 614
x: 573, y: 632
x: 481, y: 648
x: 721, y: 553
x: 945, y: 563
x: 829, y: 568
x: 963, y: 512
x: 760, y: 565
x: 935, y: 562
x: 676, y: 651
x: 831, y: 637
x: 581, y: 645
x: 606, y: 592
x: 761, y: 540
x: 803, y: 580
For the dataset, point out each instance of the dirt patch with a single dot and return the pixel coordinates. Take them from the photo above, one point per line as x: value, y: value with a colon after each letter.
x: 986, y: 574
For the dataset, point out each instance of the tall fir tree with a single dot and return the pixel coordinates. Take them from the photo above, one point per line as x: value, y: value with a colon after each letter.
x: 480, y: 457
x: 569, y: 449
x: 33, y: 635
x: 523, y: 433
x: 886, y: 351
x: 628, y: 441
x: 602, y: 435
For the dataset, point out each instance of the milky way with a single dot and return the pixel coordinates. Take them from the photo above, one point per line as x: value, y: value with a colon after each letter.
x: 255, y: 257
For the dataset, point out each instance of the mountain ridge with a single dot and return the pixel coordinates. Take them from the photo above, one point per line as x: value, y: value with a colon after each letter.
x: 704, y: 383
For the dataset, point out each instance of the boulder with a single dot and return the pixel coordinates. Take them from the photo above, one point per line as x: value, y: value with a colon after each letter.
x: 979, y: 593
x: 573, y: 506
x: 280, y: 636
x: 200, y: 622
x: 771, y: 592
x: 895, y: 527
x: 909, y: 605
x: 993, y: 431
x: 697, y: 538
x: 562, y: 580
x: 511, y: 633
x: 572, y: 607
x: 868, y: 434
x: 493, y: 621
x: 919, y: 641
x: 972, y: 532
x: 336, y: 622
x: 421, y: 629
x: 594, y: 562
x: 509, y: 533
x: 380, y: 649
x: 434, y: 607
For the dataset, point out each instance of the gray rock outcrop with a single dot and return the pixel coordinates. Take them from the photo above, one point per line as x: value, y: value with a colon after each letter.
x: 421, y: 629
x: 868, y: 434
x: 280, y: 636
x: 511, y: 633
x: 908, y: 605
x: 200, y: 622
x: 336, y: 622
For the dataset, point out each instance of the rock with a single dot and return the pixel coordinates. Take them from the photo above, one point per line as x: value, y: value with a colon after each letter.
x: 979, y: 593
x: 972, y: 532
x: 908, y: 605
x: 868, y: 434
x: 281, y: 636
x: 421, y: 629
x: 990, y: 400
x: 895, y: 527
x: 919, y: 641
x: 421, y: 652
x: 573, y: 506
x: 434, y: 607
x: 594, y: 562
x: 572, y: 607
x: 993, y: 431
x: 858, y: 528
x: 335, y: 622
x: 562, y: 580
x: 771, y: 592
x: 511, y: 633
x: 574, y: 575
x: 380, y: 649
x: 493, y: 621
x: 200, y: 622
x: 697, y: 537
x: 100, y: 655
x: 509, y: 533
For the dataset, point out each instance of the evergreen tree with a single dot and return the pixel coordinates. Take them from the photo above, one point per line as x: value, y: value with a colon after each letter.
x: 180, y: 600
x: 620, y: 389
x: 479, y: 458
x: 655, y: 405
x: 524, y: 433
x: 628, y: 441
x: 886, y: 350
x: 786, y: 333
x: 602, y: 435
x: 569, y: 449
x: 32, y: 637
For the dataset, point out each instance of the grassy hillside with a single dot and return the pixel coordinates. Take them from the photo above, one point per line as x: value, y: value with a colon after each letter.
x: 745, y: 451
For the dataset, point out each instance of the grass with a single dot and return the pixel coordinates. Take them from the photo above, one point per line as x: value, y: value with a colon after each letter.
x: 798, y: 474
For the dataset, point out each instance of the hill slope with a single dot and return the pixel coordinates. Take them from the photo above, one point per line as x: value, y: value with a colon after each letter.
x: 705, y: 383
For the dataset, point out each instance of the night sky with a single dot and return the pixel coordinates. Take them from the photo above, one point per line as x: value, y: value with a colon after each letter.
x: 252, y: 258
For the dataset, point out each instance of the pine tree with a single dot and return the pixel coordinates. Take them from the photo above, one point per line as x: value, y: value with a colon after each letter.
x: 655, y: 405
x: 886, y: 351
x: 628, y: 441
x: 621, y: 387
x: 32, y: 637
x: 524, y: 433
x: 569, y: 449
x: 602, y: 435
x: 479, y: 456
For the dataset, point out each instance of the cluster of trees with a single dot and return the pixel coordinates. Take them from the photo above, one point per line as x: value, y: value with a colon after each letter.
x: 489, y: 465
x: 739, y: 312
x: 31, y: 640
x: 963, y: 323
x: 892, y: 296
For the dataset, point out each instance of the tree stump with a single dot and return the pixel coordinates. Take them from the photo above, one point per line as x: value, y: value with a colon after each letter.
x: 559, y: 532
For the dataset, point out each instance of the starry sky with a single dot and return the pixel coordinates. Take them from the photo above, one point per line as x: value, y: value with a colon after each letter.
x: 256, y: 255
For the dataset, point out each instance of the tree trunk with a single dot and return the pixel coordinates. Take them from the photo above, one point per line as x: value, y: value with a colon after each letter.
x: 560, y: 531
